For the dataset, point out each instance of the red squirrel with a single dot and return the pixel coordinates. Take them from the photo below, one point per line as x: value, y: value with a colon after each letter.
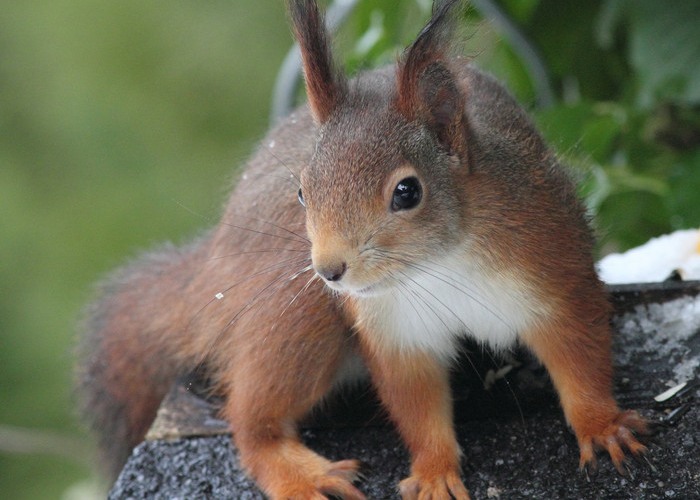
x: 392, y: 215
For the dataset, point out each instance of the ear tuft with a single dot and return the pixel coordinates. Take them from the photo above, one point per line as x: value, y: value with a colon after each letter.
x: 427, y: 90
x: 325, y: 86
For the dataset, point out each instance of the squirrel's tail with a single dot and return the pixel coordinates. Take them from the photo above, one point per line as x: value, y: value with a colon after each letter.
x: 127, y: 351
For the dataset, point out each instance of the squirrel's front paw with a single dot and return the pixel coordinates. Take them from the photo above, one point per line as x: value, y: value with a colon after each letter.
x: 335, y: 480
x: 438, y: 487
x: 616, y: 437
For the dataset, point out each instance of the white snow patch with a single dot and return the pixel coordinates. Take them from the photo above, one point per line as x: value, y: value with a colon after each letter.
x: 668, y: 328
x: 655, y: 260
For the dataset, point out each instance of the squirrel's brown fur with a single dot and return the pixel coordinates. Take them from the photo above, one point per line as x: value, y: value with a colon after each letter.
x: 492, y: 243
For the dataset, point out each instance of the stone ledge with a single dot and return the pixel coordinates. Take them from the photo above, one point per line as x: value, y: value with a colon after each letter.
x: 514, y: 438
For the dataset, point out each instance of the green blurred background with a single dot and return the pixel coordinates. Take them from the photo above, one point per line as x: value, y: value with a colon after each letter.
x: 121, y: 124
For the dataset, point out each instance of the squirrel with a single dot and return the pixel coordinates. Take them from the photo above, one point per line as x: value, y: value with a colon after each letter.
x: 392, y: 215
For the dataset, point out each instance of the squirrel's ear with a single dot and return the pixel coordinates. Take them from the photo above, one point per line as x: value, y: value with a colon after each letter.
x: 325, y: 86
x: 427, y: 90
x: 441, y: 106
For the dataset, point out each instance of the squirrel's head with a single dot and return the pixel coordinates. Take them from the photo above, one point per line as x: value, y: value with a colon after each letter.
x: 382, y: 189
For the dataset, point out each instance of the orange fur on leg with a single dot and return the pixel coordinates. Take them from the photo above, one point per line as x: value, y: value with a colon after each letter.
x: 414, y: 388
x: 286, y: 469
x: 293, y: 370
x: 270, y: 449
x: 577, y: 357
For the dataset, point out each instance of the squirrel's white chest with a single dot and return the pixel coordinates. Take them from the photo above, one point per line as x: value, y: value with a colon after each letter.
x: 440, y: 301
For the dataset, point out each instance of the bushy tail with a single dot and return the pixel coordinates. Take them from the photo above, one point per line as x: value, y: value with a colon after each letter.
x: 126, y: 355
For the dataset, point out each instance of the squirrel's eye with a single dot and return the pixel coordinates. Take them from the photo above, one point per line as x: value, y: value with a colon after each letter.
x: 407, y: 194
x: 300, y: 197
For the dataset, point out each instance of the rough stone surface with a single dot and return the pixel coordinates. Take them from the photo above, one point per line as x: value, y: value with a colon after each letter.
x: 515, y: 441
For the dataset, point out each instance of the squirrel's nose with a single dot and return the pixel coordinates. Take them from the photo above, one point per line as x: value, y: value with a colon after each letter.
x: 332, y: 272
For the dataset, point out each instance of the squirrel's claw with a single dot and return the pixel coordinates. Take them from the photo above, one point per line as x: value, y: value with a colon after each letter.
x: 339, y: 479
x: 618, y: 436
x: 448, y: 486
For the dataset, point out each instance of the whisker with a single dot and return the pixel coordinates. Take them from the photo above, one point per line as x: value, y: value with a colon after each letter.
x: 298, y: 294
x: 252, y: 302
x: 432, y: 272
x: 299, y: 273
x: 466, y: 355
x: 291, y: 179
x: 343, y: 300
x: 243, y: 228
x: 241, y: 312
x: 193, y: 212
x: 220, y: 293
x: 301, y: 238
x: 439, y: 317
x: 512, y: 393
x: 267, y: 250
x: 436, y: 299
x: 274, y: 267
x: 448, y: 280
x: 407, y: 292
x: 279, y: 160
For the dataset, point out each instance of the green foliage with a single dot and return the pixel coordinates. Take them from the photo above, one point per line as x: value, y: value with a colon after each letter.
x: 664, y: 49
x: 629, y: 109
